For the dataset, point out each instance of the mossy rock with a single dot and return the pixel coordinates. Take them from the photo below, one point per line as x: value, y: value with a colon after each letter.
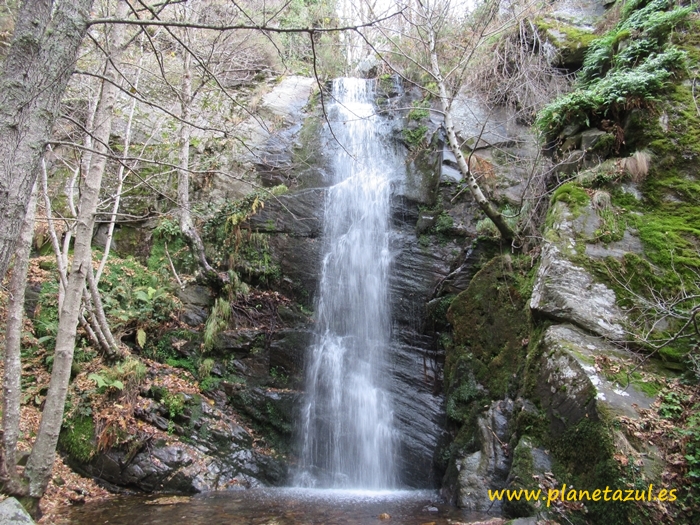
x: 528, y: 461
x: 571, y: 42
x: 77, y: 438
x: 490, y: 321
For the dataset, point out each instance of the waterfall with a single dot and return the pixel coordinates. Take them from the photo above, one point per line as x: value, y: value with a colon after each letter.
x: 347, y: 434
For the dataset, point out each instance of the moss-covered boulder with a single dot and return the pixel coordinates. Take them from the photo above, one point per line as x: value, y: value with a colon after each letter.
x: 529, y: 464
x: 491, y: 324
x: 566, y: 291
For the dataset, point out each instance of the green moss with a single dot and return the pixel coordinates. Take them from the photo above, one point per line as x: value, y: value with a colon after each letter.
x: 443, y: 224
x: 491, y: 319
x: 584, y: 458
x: 572, y: 47
x: 77, y: 438
x: 521, y: 472
x: 571, y: 194
x: 415, y: 137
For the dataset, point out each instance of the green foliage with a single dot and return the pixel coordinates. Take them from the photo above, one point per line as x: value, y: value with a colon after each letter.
x: 415, y: 137
x: 126, y: 375
x: 683, y: 411
x: 672, y: 405
x: 104, y: 383
x: 77, y: 438
x: 133, y: 295
x: 326, y: 57
x: 209, y: 384
x: 205, y: 368
x: 243, y: 249
x: 174, y: 404
x: 443, y: 224
x: 618, y: 78
x: 217, y: 322
x: 182, y: 362
x: 131, y: 373
x: 168, y: 236
x: 420, y: 110
x: 46, y: 320
x: 279, y: 377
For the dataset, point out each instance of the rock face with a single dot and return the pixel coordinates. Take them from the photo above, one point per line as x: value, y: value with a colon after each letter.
x: 571, y: 389
x: 488, y: 467
x: 565, y: 291
x: 293, y: 227
x: 218, y: 456
x: 13, y: 513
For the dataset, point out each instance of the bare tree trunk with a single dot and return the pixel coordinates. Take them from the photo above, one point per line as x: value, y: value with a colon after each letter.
x: 183, y: 180
x: 123, y: 172
x: 39, y: 466
x: 62, y: 258
x: 446, y: 102
x: 12, y: 393
x: 35, y: 74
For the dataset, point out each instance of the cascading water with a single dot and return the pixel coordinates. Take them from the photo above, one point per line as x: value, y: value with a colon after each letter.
x: 347, y: 434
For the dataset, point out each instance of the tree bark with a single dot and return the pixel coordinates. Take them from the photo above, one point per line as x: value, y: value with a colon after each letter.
x: 183, y: 180
x: 12, y: 393
x: 35, y: 74
x: 491, y: 212
x: 38, y: 470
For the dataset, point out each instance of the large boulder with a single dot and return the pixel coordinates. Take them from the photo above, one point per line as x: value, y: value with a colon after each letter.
x: 488, y: 467
x: 571, y: 388
x: 13, y: 513
x: 566, y: 291
x: 219, y: 454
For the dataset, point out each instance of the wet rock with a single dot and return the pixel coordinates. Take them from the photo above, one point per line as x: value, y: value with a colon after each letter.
x: 12, y: 513
x: 299, y: 214
x: 217, y: 456
x: 196, y: 300
x: 568, y: 293
x: 193, y: 315
x: 270, y: 409
x: 482, y: 125
x: 570, y: 41
x: 196, y: 294
x: 287, y: 351
x: 418, y: 406
x: 590, y: 138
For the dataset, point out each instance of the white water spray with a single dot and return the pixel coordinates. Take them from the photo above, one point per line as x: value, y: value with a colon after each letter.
x: 347, y: 435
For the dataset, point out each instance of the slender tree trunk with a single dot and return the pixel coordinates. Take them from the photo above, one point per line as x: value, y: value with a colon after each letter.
x: 12, y: 394
x: 62, y: 261
x: 491, y: 212
x: 123, y: 172
x: 39, y: 466
x: 183, y: 180
x: 35, y: 74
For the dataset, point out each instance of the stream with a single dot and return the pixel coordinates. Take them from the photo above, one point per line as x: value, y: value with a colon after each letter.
x: 286, y: 506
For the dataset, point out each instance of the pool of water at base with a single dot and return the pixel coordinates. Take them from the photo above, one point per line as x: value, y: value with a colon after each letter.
x: 273, y: 507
